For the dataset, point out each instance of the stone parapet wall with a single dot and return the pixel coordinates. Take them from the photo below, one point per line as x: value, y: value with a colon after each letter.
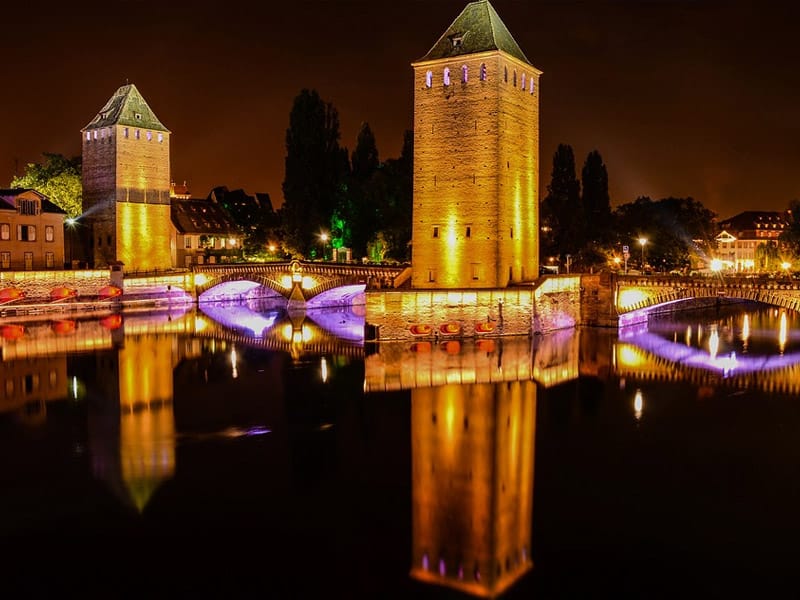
x: 39, y: 284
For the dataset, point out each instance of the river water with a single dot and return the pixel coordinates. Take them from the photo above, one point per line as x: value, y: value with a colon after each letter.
x: 231, y: 449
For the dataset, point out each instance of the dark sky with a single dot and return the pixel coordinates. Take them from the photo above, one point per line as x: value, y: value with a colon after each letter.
x: 681, y: 98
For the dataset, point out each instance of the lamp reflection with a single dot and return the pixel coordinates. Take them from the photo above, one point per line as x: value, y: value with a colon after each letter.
x: 638, y: 405
x: 782, y: 332
x: 745, y: 331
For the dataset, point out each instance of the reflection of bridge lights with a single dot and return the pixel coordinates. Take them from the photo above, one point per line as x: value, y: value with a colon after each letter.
x: 713, y: 343
x: 287, y: 332
x: 323, y: 369
x: 74, y: 387
x: 630, y: 356
x: 200, y: 324
x: 307, y: 334
x: 745, y: 330
x: 782, y: 333
x: 638, y: 404
x: 689, y: 335
x: 234, y: 363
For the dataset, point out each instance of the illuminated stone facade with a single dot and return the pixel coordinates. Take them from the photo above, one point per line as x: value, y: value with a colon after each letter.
x: 476, y: 158
x: 126, y: 184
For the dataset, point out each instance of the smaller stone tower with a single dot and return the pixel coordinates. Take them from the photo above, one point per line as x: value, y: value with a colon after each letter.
x: 126, y: 184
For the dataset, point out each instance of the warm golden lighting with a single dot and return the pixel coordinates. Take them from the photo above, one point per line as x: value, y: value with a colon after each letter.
x: 323, y: 369
x: 234, y: 363
x: 689, y: 335
x: 631, y: 298
x: 638, y: 404
x: 286, y: 282
x: 745, y: 330
x: 308, y: 283
x: 713, y: 343
x: 716, y: 265
x: 630, y: 356
x: 200, y: 279
x: 782, y: 333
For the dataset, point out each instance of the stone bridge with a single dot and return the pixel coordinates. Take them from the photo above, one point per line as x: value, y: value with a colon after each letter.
x: 300, y: 281
x: 635, y: 296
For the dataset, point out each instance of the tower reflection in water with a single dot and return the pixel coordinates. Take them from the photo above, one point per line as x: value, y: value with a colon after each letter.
x: 472, y: 479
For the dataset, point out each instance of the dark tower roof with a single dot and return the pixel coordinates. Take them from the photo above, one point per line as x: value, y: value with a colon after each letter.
x: 126, y: 107
x: 477, y: 29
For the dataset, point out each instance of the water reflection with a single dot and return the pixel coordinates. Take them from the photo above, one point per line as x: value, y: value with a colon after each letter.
x: 473, y: 403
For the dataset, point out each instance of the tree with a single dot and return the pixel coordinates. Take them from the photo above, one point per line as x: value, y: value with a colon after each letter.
x: 562, y: 215
x: 58, y: 178
x: 595, y: 198
x: 314, y: 179
x: 359, y: 210
x: 790, y: 237
x: 393, y: 185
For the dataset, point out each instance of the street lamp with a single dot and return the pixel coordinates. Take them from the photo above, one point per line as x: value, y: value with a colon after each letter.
x: 642, y: 241
x: 71, y: 223
x: 324, y: 237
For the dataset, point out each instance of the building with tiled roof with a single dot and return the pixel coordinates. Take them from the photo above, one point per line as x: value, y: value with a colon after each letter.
x: 31, y: 231
x: 742, y: 234
x: 203, y: 232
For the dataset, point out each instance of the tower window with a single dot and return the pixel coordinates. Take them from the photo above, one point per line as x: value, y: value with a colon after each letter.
x: 137, y: 134
x: 160, y: 137
x: 94, y: 134
x: 476, y: 271
x: 464, y: 73
x: 523, y: 82
x: 431, y: 275
x: 505, y: 74
x: 533, y: 86
x: 469, y: 231
x: 483, y: 71
x: 138, y: 116
x: 88, y: 136
x: 125, y: 132
x: 457, y: 40
x: 429, y: 79
x: 515, y: 78
x: 512, y: 233
x: 447, y: 75
x: 149, y: 135
x: 436, y: 232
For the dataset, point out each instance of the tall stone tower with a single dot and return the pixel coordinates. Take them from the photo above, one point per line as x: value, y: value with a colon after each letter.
x: 476, y: 158
x: 126, y: 181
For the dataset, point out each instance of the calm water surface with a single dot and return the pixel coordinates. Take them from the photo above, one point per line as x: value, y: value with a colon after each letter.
x: 232, y: 451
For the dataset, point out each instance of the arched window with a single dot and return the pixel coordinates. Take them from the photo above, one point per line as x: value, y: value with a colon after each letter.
x: 523, y: 82
x: 447, y: 75
x: 515, y: 78
x: 505, y: 74
x: 464, y: 73
x: 483, y: 71
x: 533, y: 86
x: 429, y: 79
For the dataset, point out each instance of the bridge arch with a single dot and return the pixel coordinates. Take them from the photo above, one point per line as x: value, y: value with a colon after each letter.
x: 645, y: 294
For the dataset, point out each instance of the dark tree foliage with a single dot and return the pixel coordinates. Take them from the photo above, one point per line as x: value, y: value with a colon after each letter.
x: 595, y: 198
x: 315, y: 175
x: 359, y: 209
x: 254, y: 217
x: 674, y: 229
x: 561, y: 213
x: 394, y: 185
x: 58, y: 178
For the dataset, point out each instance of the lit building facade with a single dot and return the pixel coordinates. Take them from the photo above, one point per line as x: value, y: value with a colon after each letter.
x: 31, y: 231
x: 126, y: 184
x: 476, y: 157
x: 741, y: 236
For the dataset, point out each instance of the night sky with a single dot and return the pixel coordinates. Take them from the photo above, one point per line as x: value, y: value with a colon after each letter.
x: 681, y: 98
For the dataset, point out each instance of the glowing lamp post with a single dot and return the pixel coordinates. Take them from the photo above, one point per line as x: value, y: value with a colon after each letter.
x: 643, y: 241
x: 324, y: 238
x: 70, y: 222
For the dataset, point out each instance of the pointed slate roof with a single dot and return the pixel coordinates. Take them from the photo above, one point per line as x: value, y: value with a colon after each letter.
x: 126, y: 107
x: 477, y: 29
